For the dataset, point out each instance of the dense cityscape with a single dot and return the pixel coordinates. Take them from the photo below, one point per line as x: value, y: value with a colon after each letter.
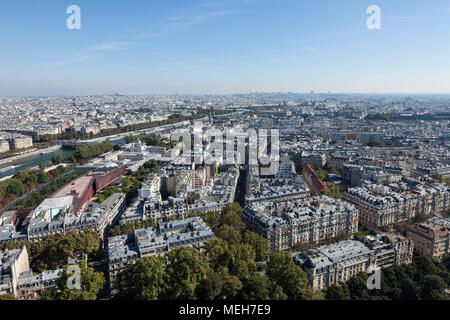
x: 224, y: 159
x: 169, y: 197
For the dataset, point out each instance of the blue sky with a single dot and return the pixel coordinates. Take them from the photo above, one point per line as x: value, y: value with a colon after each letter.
x: 223, y: 46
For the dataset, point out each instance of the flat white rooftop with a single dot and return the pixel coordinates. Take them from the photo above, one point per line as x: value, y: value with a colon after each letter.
x: 53, y: 203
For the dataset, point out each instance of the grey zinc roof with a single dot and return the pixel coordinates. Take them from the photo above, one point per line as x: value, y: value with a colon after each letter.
x: 169, y: 234
x: 328, y: 255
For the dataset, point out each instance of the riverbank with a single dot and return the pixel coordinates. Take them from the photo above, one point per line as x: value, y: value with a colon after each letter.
x: 6, y: 178
x: 56, y: 166
x: 29, y: 154
x: 118, y: 137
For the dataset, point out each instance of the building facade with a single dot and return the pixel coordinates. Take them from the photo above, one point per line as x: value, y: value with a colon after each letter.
x: 335, y: 263
x: 155, y: 241
x: 381, y: 205
x: 16, y: 277
x: 431, y: 238
x: 20, y: 142
x: 307, y: 220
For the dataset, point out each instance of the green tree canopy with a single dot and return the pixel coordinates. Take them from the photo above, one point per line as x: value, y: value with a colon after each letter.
x: 211, y: 287
x: 219, y: 253
x: 186, y: 269
x: 42, y: 177
x: 231, y: 286
x: 434, y: 288
x: 16, y: 187
x: 260, y: 244
x: 256, y: 287
x: 146, y: 279
x: 233, y: 219
x: 335, y: 292
x: 243, y: 261
x: 230, y: 234
x: 91, y: 284
x: 282, y: 269
x: 52, y: 252
x: 424, y: 279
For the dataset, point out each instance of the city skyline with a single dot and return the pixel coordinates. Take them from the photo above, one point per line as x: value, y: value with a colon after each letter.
x: 226, y: 47
x: 251, y: 156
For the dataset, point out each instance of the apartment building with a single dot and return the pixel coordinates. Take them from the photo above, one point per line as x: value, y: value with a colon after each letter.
x: 155, y: 241
x: 286, y: 168
x: 314, y: 159
x: 4, y: 146
x: 307, y: 220
x: 431, y: 238
x: 276, y: 190
x: 17, y: 142
x: 378, y: 206
x: 381, y: 205
x: 338, y: 160
x: 16, y: 277
x: 57, y: 215
x: 403, y: 246
x: 352, y: 173
x: 331, y: 264
x: 214, y: 196
x: 334, y: 263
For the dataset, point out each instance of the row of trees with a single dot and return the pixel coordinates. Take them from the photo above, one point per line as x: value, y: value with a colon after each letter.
x: 83, y: 153
x: 129, y: 128
x: 105, y: 194
x: 441, y: 178
x: 379, y: 117
x: 38, y: 196
x: 25, y: 181
x: 131, y: 138
x: 59, y: 158
x: 52, y: 252
x: 20, y: 182
x: 228, y: 270
x: 424, y: 279
x: 378, y: 143
x: 154, y: 140
x: 153, y: 124
x: 151, y: 140
x: 51, y: 138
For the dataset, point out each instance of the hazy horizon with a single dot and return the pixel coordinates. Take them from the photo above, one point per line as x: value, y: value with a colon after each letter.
x: 230, y: 94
